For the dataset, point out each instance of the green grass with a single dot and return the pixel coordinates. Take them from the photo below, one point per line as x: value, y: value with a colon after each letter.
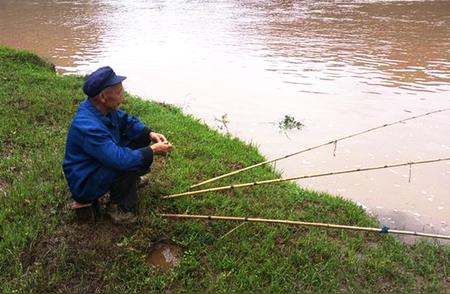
x: 43, y: 249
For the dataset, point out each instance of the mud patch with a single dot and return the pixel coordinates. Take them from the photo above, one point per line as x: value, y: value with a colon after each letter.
x: 90, y: 247
x: 237, y: 165
x: 7, y: 147
x: 76, y: 238
x: 447, y: 284
x: 164, y: 255
x: 3, y: 185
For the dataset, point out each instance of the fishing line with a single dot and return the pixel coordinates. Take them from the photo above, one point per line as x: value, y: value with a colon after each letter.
x: 317, y: 146
x: 279, y: 180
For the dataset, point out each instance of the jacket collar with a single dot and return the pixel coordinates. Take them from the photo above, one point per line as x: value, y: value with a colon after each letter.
x: 104, y: 118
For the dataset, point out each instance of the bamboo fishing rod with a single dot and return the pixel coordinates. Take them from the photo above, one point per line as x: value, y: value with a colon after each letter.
x: 384, y: 229
x: 279, y: 180
x: 315, y: 147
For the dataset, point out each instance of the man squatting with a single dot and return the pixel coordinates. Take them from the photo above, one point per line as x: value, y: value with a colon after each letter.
x: 108, y: 149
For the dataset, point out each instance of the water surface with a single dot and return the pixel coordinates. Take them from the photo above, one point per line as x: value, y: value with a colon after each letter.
x: 339, y: 67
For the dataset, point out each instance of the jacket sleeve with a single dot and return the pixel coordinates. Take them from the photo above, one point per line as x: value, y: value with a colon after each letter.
x: 98, y: 143
x: 132, y: 128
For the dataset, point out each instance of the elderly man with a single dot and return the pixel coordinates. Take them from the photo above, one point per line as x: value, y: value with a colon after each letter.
x: 108, y: 149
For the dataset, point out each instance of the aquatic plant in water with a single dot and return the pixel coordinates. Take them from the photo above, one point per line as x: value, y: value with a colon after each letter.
x: 289, y: 123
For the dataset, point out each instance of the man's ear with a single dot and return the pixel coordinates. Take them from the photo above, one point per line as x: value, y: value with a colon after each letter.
x: 102, y: 97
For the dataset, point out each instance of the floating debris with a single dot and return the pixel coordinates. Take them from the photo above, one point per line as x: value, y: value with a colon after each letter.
x: 289, y: 123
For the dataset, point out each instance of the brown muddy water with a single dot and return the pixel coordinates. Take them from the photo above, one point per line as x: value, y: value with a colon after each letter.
x: 338, y: 67
x: 164, y: 255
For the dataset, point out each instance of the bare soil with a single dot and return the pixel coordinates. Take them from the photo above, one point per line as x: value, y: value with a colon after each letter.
x: 95, y: 243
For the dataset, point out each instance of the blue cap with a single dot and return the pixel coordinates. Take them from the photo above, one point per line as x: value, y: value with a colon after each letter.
x: 101, y: 79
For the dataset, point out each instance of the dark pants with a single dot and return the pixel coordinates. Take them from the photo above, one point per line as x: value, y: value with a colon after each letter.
x: 123, y: 190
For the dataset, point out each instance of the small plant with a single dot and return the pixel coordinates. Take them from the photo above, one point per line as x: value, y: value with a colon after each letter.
x: 289, y: 123
x: 224, y: 121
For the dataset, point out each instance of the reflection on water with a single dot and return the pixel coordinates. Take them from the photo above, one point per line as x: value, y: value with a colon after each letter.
x: 336, y: 67
x: 65, y: 32
x: 390, y: 44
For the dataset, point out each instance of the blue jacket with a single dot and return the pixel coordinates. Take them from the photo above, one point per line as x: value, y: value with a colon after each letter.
x: 96, y: 150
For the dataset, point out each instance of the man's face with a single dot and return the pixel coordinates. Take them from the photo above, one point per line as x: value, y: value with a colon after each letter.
x: 113, y: 97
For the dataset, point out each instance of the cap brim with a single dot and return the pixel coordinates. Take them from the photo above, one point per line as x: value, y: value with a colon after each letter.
x: 116, y: 80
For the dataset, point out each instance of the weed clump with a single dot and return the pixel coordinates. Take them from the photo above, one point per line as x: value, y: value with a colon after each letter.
x: 289, y: 123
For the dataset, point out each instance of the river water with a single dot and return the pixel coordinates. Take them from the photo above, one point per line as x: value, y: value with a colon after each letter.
x: 338, y: 67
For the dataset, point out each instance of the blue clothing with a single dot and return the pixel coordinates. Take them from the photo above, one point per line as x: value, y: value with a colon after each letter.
x: 96, y: 151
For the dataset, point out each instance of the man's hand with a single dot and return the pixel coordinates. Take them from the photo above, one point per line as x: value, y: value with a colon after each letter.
x: 161, y: 148
x: 158, y: 138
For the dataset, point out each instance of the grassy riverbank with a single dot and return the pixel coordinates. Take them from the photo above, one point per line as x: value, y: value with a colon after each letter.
x: 42, y: 248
